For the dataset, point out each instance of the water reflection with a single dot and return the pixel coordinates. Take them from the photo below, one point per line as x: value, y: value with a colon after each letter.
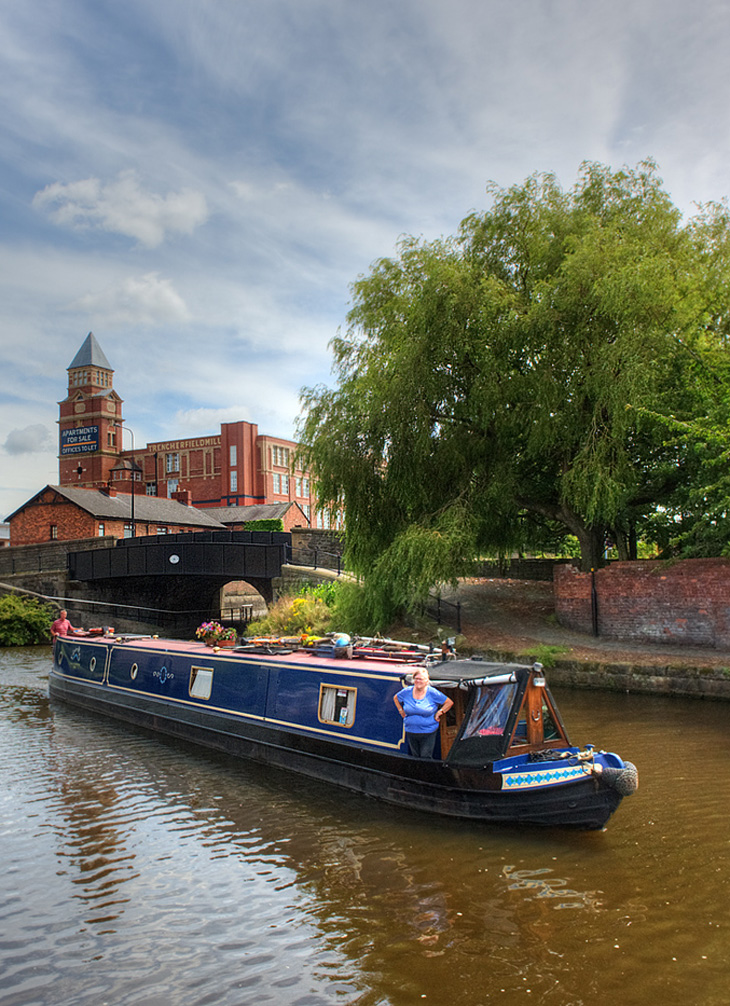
x: 142, y: 871
x: 541, y: 885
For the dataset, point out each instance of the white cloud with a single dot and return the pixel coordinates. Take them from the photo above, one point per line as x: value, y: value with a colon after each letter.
x: 191, y: 422
x: 123, y: 207
x: 307, y: 138
x: 34, y: 439
x: 136, y: 300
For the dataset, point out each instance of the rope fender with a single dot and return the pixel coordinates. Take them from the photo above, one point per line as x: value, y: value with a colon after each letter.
x: 624, y: 780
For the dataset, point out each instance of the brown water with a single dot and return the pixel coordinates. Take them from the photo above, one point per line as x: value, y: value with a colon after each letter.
x: 137, y: 871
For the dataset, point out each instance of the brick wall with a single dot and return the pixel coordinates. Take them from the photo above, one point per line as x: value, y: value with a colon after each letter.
x: 685, y: 602
x: 35, y: 523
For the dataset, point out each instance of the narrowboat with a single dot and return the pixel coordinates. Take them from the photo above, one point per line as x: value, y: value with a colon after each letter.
x: 326, y: 711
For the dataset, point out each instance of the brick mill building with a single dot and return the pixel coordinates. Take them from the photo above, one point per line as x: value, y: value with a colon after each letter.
x: 237, y: 468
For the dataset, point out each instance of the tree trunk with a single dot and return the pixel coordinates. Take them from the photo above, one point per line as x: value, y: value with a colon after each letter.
x: 592, y: 543
x: 592, y: 540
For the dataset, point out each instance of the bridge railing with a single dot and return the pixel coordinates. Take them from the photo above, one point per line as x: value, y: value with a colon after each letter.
x: 242, y: 613
x: 187, y: 554
x: 315, y: 558
x: 222, y: 536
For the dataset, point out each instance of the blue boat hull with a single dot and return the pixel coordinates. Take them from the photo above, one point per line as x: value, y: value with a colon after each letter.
x: 423, y: 785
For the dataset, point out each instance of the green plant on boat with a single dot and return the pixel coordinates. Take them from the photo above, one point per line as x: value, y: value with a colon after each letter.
x: 24, y: 621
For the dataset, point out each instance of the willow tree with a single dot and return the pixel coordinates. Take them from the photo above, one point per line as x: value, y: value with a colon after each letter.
x: 517, y: 371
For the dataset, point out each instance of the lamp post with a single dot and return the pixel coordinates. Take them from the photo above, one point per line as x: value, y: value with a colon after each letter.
x: 133, y: 470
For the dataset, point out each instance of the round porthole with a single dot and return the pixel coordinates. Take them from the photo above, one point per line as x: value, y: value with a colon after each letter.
x: 174, y: 559
x: 133, y: 672
x: 92, y: 663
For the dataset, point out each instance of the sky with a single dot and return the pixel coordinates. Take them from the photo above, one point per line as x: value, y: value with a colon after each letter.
x: 199, y: 182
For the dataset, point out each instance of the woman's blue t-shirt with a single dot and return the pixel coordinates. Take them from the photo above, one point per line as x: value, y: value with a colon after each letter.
x: 420, y: 713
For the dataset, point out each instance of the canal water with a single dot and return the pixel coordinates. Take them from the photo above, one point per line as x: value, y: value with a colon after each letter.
x: 138, y: 871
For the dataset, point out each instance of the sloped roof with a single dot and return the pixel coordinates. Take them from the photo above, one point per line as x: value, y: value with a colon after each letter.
x: 147, y: 509
x: 90, y: 355
x: 256, y: 511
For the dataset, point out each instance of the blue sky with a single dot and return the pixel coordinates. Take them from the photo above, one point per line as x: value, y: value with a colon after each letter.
x: 198, y: 182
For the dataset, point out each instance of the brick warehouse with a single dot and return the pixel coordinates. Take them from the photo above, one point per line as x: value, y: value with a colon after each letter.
x: 237, y: 468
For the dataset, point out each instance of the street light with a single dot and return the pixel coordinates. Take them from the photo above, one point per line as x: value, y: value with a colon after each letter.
x: 134, y: 469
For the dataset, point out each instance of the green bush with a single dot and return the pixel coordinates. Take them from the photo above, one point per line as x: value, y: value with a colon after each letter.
x: 311, y: 611
x: 24, y: 621
x: 293, y: 616
x: 264, y: 524
x: 333, y: 606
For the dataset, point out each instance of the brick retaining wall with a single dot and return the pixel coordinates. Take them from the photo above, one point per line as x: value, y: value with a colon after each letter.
x: 686, y: 602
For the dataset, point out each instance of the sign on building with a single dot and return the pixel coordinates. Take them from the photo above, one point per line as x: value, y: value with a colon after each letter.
x: 81, y: 440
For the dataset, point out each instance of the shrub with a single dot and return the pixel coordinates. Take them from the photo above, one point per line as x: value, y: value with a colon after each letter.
x: 264, y: 524
x: 311, y: 611
x: 336, y: 605
x: 293, y: 616
x: 24, y: 621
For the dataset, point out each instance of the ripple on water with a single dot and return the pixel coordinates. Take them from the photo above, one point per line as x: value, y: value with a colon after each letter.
x: 138, y: 871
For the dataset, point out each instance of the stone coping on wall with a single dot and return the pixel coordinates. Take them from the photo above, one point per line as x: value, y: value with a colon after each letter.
x: 633, y: 678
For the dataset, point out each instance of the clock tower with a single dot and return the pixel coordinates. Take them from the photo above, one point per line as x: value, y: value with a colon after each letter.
x: 90, y: 421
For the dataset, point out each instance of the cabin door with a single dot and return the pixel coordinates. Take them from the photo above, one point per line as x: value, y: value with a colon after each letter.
x: 450, y: 724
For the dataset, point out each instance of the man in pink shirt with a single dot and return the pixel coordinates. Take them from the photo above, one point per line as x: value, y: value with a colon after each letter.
x: 62, y: 626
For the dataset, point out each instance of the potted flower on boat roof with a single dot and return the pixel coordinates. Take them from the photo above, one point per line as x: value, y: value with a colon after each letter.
x: 214, y: 634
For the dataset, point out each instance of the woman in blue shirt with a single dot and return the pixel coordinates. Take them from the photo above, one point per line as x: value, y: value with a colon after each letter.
x: 421, y: 706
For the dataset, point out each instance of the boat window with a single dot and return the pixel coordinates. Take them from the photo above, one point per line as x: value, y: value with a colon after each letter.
x: 549, y: 726
x: 133, y: 671
x: 337, y: 705
x: 490, y: 711
x: 201, y: 682
x: 520, y: 732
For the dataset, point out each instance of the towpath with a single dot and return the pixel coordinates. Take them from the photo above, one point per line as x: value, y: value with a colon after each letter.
x: 515, y: 617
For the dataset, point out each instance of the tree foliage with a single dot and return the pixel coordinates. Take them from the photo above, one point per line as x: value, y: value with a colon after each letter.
x: 519, y: 377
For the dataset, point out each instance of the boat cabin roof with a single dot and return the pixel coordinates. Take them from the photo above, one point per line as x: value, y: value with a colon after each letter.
x: 446, y: 674
x: 449, y: 673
